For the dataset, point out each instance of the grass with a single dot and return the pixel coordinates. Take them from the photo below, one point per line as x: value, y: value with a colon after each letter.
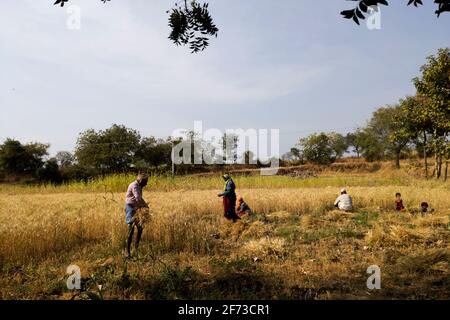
x: 296, y: 246
x: 119, y: 182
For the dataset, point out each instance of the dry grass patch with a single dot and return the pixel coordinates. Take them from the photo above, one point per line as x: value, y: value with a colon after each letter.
x: 264, y: 248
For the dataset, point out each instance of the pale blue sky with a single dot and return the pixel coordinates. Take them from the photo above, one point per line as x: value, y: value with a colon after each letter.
x: 289, y: 64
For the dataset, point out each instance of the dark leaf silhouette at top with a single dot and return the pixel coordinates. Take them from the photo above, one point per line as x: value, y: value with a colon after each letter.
x: 443, y: 6
x: 192, y: 24
x: 363, y: 6
x: 62, y: 2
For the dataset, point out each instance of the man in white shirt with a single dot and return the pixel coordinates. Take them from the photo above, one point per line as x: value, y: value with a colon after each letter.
x: 344, y: 201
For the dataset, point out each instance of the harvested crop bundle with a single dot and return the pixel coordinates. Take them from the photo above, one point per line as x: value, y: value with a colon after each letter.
x: 143, y: 216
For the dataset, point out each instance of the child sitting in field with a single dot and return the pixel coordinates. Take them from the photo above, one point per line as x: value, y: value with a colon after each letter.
x: 243, y: 208
x: 423, y: 210
x: 399, y: 202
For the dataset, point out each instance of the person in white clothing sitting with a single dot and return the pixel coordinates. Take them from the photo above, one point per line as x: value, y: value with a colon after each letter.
x: 344, y: 201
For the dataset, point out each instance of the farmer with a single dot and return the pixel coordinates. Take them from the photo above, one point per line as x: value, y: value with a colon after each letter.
x: 344, y: 201
x: 243, y: 208
x: 229, y: 198
x: 133, y: 202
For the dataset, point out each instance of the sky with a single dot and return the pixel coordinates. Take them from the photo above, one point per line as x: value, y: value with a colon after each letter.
x: 293, y: 65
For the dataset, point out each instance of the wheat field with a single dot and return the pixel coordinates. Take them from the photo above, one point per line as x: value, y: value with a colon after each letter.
x: 295, y: 246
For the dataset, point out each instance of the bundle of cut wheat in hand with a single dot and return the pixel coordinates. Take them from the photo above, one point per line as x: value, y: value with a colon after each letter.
x: 143, y: 216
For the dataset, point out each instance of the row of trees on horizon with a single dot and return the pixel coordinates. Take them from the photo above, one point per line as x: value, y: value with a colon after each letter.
x: 418, y: 123
x: 416, y: 126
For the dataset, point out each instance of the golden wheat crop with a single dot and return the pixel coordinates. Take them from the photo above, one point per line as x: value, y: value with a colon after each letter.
x: 296, y: 241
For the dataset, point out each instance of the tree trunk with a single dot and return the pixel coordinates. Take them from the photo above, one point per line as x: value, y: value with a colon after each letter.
x: 425, y: 158
x: 436, y: 155
x: 397, y: 159
x: 436, y: 166
x: 439, y: 171
x: 446, y: 170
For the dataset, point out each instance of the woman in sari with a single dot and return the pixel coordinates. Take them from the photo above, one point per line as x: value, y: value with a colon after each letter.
x: 229, y: 199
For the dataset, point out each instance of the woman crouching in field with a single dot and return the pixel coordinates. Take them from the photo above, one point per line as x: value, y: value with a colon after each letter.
x: 243, y: 208
x: 133, y: 203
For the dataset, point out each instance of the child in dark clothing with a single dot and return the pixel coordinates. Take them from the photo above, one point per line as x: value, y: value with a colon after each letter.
x: 399, y: 202
x: 423, y: 210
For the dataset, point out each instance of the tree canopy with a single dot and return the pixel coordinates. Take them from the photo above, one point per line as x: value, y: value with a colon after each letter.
x: 434, y: 115
x: 110, y: 150
x: 322, y: 148
x: 422, y: 120
x: 18, y: 159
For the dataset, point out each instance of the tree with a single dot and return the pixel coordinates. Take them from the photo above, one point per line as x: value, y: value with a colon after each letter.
x: 18, y: 160
x: 64, y: 159
x: 297, y: 154
x: 384, y: 137
x: 338, y: 144
x: 400, y: 136
x: 230, y: 146
x: 434, y: 84
x: 321, y: 148
x: 353, y: 141
x: 249, y: 157
x: 13, y: 157
x: 192, y: 24
x: 110, y: 150
x: 36, y: 153
x: 372, y: 149
x: 418, y: 123
x: 316, y: 148
x: 153, y: 152
x: 49, y: 172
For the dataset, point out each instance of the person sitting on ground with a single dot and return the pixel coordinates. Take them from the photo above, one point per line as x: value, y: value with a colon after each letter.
x: 344, y: 202
x: 243, y: 208
x: 425, y: 208
x: 399, y: 202
x: 229, y: 199
x: 133, y: 202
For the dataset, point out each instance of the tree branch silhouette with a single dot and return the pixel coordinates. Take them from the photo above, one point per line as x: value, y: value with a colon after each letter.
x: 362, y: 8
x: 192, y: 24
